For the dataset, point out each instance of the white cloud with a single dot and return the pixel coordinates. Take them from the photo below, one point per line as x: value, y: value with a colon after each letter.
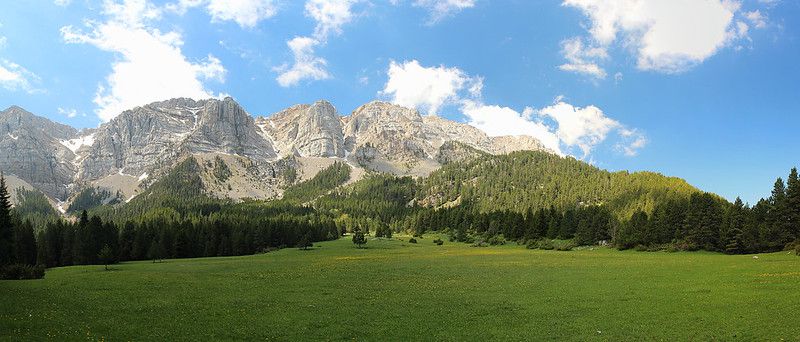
x: 330, y: 16
x: 151, y: 65
x: 582, y: 127
x: 580, y: 58
x: 246, y: 13
x: 666, y: 36
x: 3, y: 42
x: 62, y: 3
x: 70, y: 113
x: 440, y: 9
x: 559, y: 127
x: 499, y: 121
x: 14, y: 77
x: 756, y: 18
x: 426, y: 88
x: 306, y: 64
x: 769, y: 3
x: 632, y: 142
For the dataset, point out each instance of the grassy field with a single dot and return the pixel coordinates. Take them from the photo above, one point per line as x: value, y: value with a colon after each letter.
x: 398, y: 291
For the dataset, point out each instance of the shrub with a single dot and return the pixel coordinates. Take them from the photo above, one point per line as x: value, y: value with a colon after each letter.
x: 547, y: 244
x: 496, y: 240
x: 21, y: 271
x: 480, y: 243
x: 438, y: 242
x: 567, y: 245
x: 797, y: 249
x: 412, y: 240
x: 641, y: 248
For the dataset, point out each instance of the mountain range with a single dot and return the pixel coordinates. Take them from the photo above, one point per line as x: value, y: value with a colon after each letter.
x: 260, y: 156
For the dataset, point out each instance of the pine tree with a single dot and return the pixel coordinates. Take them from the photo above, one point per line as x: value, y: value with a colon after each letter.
x: 777, y: 231
x: 358, y: 238
x: 733, y: 237
x: 6, y: 225
x: 106, y: 256
x: 305, y: 242
x: 793, y: 204
x: 25, y: 244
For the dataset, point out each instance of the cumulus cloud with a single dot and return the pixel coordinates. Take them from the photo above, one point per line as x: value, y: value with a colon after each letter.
x: 426, y: 88
x: 440, y: 9
x: 330, y: 16
x: 151, y: 65
x: 561, y: 127
x: 584, y: 127
x: 580, y: 58
x: 306, y: 64
x: 246, y: 13
x: 500, y: 121
x: 14, y: 77
x: 70, y: 113
x: 665, y: 36
x: 756, y: 19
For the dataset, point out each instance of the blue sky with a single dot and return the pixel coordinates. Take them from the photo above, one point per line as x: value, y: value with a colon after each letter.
x: 706, y: 90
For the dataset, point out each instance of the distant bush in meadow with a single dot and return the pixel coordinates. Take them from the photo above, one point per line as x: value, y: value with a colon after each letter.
x: 21, y: 271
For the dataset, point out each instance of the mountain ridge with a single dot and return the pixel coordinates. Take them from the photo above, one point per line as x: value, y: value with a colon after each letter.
x: 141, y: 144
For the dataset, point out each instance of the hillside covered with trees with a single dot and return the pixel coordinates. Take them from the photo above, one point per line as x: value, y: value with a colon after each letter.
x: 530, y: 198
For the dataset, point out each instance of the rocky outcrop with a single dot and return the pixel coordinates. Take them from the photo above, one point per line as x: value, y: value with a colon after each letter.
x: 512, y: 143
x: 387, y: 137
x: 155, y: 136
x: 31, y: 148
x: 142, y: 144
x: 306, y: 130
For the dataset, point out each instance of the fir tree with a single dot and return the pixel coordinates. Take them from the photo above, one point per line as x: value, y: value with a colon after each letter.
x: 106, y: 256
x: 6, y: 225
x: 25, y: 244
x: 358, y: 238
x: 793, y: 204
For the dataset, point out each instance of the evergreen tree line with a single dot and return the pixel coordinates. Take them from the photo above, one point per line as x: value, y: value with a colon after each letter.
x: 17, y: 242
x: 695, y: 221
x: 63, y: 243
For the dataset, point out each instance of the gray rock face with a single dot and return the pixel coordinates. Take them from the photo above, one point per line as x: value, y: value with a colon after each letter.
x: 31, y: 149
x: 154, y: 136
x: 306, y: 130
x: 384, y: 131
x: 512, y: 143
x: 145, y: 142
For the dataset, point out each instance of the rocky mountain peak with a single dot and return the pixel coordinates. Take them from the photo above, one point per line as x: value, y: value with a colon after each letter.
x: 306, y: 130
x: 145, y: 142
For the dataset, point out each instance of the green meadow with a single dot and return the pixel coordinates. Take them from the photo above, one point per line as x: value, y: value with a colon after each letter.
x: 393, y: 290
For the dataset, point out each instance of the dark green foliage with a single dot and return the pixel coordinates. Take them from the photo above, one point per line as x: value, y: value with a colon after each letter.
x: 325, y: 181
x: 6, y: 225
x: 376, y: 196
x: 33, y: 206
x: 24, y: 244
x: 538, y: 180
x: 438, y: 242
x: 106, y: 256
x: 359, y: 239
x: 412, y: 240
x: 21, y: 271
x: 305, y: 242
x: 92, y: 197
x: 221, y: 170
